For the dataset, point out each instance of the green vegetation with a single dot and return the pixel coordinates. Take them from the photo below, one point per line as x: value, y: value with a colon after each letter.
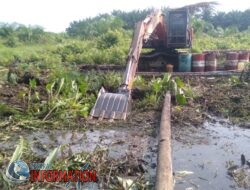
x: 41, y: 84
x: 46, y: 63
x: 234, y: 41
x: 106, y: 38
x: 157, y: 87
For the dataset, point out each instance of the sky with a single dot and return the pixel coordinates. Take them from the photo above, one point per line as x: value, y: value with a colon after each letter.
x: 56, y: 15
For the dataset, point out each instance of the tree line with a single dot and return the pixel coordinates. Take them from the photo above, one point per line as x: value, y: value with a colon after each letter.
x: 15, y: 34
x: 204, y: 20
x: 106, y: 37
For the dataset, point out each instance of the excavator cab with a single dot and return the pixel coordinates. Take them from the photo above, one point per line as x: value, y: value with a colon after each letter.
x: 178, y: 32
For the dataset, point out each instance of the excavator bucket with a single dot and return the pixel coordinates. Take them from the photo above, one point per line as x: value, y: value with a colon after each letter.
x: 111, y: 105
x: 117, y: 105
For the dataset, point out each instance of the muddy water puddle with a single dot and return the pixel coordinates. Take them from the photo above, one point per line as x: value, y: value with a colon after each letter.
x: 204, y: 165
x: 119, y: 143
x: 200, y: 159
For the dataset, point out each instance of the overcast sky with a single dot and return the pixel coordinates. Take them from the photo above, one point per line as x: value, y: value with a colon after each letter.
x: 55, y: 15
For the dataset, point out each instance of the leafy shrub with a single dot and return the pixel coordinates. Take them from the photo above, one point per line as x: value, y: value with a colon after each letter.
x: 112, y: 80
x: 108, y: 40
x: 11, y: 41
x: 116, y: 56
x: 68, y: 99
x: 140, y: 83
x: 84, y: 58
x: 159, y: 86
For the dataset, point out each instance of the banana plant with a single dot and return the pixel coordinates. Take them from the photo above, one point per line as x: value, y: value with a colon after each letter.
x: 176, y: 87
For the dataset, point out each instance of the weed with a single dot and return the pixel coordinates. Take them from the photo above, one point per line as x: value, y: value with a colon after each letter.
x: 234, y: 80
x: 111, y: 81
x: 139, y: 83
x: 159, y: 86
x: 6, y: 110
x: 68, y: 99
x: 245, y: 74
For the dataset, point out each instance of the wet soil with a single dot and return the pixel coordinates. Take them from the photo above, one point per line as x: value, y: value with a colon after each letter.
x: 124, y: 149
x: 222, y: 96
x: 202, y: 156
x: 205, y: 147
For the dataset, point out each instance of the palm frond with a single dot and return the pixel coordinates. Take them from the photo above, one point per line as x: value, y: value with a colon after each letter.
x: 198, y: 6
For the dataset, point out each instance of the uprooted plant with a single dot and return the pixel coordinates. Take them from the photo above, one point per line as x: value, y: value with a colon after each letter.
x: 68, y: 99
x: 65, y: 96
x: 157, y: 88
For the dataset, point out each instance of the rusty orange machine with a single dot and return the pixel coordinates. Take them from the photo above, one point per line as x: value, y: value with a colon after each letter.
x: 163, y: 33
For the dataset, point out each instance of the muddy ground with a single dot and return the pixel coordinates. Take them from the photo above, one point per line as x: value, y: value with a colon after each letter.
x: 206, y: 148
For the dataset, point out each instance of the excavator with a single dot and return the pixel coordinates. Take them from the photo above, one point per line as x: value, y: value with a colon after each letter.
x: 165, y: 34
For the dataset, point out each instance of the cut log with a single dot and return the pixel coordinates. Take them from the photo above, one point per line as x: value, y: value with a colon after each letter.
x: 164, y: 173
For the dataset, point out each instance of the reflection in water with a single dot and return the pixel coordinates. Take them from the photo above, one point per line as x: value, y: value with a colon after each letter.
x: 221, y: 144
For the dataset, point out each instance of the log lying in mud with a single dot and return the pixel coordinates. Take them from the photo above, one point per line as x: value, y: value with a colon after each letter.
x: 164, y: 173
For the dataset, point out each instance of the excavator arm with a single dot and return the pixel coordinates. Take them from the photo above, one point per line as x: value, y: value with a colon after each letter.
x: 151, y: 29
x: 151, y: 32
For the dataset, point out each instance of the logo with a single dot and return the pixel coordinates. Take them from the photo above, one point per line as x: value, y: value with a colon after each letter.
x: 18, y: 172
x: 66, y: 176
